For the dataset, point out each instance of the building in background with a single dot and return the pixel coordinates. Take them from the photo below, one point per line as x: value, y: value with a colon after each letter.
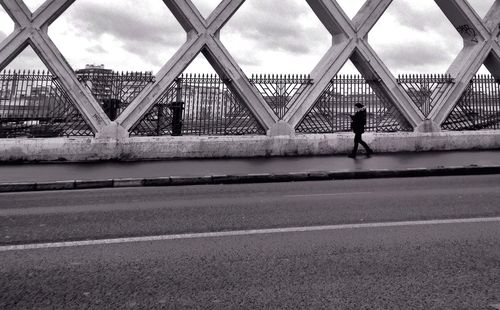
x: 98, y: 79
x: 113, y: 90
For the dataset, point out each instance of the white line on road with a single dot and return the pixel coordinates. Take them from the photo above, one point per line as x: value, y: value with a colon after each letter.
x: 242, y: 233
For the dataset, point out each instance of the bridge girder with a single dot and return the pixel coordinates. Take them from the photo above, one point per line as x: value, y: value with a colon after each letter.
x: 32, y: 29
x: 349, y: 41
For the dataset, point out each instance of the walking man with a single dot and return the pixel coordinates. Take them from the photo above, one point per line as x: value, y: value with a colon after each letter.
x: 358, y: 127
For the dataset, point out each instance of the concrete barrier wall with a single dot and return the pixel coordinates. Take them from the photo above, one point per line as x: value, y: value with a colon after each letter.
x: 88, y: 149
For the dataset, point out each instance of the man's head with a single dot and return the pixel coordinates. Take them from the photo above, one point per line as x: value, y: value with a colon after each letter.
x: 359, y: 105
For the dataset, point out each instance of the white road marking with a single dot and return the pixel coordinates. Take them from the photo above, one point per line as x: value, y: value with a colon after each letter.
x: 334, y: 194
x: 251, y: 232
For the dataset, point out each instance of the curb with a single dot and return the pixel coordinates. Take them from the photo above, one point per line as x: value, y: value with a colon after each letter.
x: 249, y: 178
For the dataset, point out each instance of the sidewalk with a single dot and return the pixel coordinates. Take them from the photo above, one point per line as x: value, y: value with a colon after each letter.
x: 245, y: 170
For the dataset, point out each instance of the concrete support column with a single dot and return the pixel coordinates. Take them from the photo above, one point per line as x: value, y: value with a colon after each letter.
x: 281, y: 128
x: 428, y: 126
x: 113, y: 131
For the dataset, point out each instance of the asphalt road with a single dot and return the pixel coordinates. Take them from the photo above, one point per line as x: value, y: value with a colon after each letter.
x: 426, y: 266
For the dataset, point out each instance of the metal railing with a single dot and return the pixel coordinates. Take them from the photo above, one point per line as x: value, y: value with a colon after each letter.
x: 331, y: 112
x: 114, y: 90
x: 209, y: 108
x: 425, y: 90
x: 478, y: 108
x: 280, y: 91
x: 33, y: 104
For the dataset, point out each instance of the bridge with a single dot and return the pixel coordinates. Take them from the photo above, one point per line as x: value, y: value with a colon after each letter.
x: 63, y: 114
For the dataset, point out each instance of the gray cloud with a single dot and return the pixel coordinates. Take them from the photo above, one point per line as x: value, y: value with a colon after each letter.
x: 264, y: 25
x: 481, y: 6
x: 413, y: 55
x: 27, y: 60
x: 249, y: 59
x: 275, y: 25
x: 98, y: 49
x: 139, y: 35
x: 430, y: 40
x: 421, y: 20
x: 204, y: 7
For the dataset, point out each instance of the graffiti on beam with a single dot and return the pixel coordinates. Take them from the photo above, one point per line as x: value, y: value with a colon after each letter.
x: 98, y: 118
x: 467, y: 30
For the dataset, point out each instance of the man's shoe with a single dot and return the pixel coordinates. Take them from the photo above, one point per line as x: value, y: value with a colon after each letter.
x: 369, y: 153
x: 351, y: 155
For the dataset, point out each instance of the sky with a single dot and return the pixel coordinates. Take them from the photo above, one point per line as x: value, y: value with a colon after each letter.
x: 264, y: 36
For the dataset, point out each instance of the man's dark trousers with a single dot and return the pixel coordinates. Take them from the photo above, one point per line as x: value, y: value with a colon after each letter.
x: 359, y: 140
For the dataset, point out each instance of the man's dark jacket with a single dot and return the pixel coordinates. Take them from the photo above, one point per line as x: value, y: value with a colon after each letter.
x: 359, y: 121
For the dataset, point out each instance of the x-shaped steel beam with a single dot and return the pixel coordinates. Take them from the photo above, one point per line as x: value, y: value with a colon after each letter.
x: 480, y: 47
x: 202, y: 36
x: 31, y: 29
x: 350, y: 42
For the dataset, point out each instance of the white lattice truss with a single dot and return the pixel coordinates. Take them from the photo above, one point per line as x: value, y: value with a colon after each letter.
x: 350, y: 41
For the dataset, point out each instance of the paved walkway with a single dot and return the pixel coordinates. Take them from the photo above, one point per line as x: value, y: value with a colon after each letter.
x: 153, y: 169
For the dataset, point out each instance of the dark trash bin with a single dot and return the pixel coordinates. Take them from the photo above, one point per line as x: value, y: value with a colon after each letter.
x: 177, y: 107
x: 111, y: 107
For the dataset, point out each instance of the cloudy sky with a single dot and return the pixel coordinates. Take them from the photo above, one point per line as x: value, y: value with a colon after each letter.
x: 265, y: 36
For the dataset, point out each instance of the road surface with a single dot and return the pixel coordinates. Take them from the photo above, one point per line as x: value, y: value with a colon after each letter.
x: 423, y: 243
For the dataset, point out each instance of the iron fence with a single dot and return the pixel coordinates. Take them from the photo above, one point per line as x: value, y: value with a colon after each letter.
x: 478, y: 108
x: 425, y: 90
x: 209, y: 108
x: 280, y: 91
x: 114, y: 90
x: 33, y: 104
x: 333, y: 109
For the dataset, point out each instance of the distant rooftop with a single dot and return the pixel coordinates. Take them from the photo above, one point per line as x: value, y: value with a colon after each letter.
x: 94, y: 66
